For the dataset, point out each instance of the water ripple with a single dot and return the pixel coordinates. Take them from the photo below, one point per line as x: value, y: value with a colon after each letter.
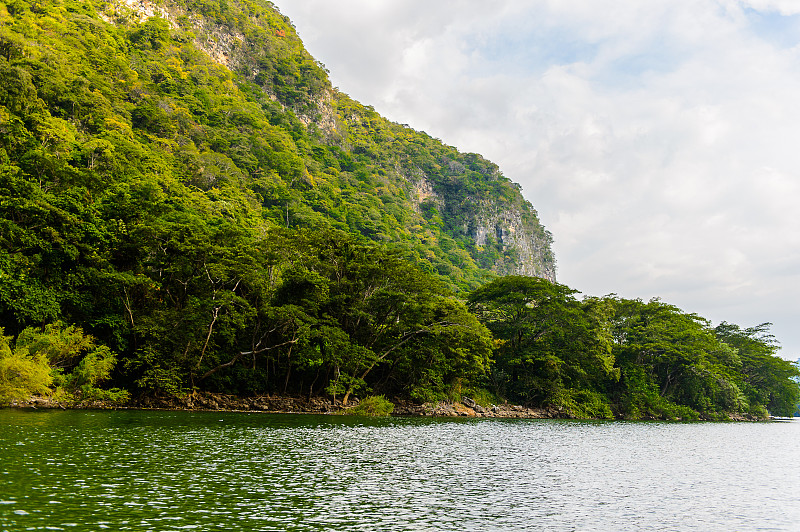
x: 196, y: 471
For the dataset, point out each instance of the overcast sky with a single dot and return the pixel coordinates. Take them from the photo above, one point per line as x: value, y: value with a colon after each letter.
x: 659, y: 141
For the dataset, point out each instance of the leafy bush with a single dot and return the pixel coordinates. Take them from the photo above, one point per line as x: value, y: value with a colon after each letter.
x: 483, y: 397
x: 62, y: 356
x: 22, y: 374
x: 372, y: 405
x: 587, y: 404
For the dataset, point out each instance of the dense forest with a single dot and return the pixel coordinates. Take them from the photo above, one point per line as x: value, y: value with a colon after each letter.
x: 187, y: 204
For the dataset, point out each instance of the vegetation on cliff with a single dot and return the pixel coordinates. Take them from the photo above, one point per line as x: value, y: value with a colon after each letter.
x: 186, y: 203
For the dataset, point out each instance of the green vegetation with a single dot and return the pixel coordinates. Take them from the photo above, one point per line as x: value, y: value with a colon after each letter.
x: 553, y: 349
x: 372, y: 405
x: 610, y: 357
x: 61, y: 357
x: 21, y: 373
x: 169, y: 224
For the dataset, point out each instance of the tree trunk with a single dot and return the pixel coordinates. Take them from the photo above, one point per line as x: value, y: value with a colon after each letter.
x: 288, y: 370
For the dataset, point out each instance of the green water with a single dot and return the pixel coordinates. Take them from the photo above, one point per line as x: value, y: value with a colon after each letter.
x: 164, y: 471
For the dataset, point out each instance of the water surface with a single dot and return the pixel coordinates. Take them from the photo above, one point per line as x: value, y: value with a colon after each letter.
x: 169, y: 471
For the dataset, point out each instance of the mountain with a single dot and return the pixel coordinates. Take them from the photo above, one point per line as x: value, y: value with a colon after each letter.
x: 188, y: 206
x: 225, y: 91
x: 186, y: 203
x: 455, y: 211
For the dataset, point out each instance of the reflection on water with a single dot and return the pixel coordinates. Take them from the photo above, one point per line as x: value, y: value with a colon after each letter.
x: 164, y: 471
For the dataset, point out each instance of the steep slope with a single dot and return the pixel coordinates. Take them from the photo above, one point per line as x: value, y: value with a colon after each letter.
x: 452, y: 210
x: 180, y: 181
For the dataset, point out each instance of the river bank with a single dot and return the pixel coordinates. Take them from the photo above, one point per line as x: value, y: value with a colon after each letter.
x: 280, y: 404
x: 207, y: 401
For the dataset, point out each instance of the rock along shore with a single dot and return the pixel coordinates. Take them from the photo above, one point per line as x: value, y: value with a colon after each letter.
x: 279, y: 404
x: 207, y: 401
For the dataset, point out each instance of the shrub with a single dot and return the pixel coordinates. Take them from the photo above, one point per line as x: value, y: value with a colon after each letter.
x: 373, y: 405
x: 22, y: 374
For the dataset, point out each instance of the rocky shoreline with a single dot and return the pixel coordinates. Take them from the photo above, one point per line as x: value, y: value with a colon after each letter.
x: 207, y: 401
x: 274, y: 404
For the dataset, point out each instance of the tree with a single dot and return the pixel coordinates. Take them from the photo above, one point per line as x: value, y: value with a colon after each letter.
x: 378, y: 308
x: 665, y: 360
x: 22, y: 373
x: 551, y: 347
x: 77, y: 364
x: 766, y: 379
x: 675, y: 365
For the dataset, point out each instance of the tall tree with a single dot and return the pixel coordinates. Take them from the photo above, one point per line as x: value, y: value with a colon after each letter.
x: 766, y: 378
x: 551, y: 347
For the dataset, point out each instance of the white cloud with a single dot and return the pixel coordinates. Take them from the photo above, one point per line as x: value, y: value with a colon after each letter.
x: 784, y: 7
x: 656, y: 139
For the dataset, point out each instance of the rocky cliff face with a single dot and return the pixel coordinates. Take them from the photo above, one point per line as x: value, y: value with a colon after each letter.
x: 511, y: 228
x: 516, y: 229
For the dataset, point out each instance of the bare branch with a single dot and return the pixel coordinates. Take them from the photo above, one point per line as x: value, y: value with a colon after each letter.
x: 239, y: 355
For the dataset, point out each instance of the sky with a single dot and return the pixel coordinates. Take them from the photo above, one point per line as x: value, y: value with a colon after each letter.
x: 659, y: 141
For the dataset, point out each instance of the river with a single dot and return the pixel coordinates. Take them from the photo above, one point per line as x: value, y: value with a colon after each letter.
x: 170, y: 471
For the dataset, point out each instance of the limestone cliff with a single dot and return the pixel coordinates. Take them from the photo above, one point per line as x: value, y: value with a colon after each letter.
x: 511, y: 228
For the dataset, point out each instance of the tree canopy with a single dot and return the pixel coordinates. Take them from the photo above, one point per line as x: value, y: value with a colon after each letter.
x: 612, y: 357
x: 187, y: 204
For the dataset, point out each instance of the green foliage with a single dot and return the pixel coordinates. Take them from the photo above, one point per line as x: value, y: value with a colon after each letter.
x: 372, y: 405
x: 169, y: 224
x: 765, y: 379
x: 62, y: 346
x: 483, y: 397
x: 674, y: 365
x: 156, y: 375
x: 22, y: 373
x: 549, y: 343
x: 587, y: 404
x: 76, y: 364
x: 93, y: 369
x: 610, y: 357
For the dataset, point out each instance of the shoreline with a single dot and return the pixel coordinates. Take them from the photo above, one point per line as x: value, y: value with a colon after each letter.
x: 280, y: 404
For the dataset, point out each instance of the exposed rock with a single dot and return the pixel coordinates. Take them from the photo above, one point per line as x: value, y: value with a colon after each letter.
x: 517, y: 230
x: 200, y: 401
x: 135, y: 10
x: 514, y: 227
x: 264, y: 403
x: 463, y: 409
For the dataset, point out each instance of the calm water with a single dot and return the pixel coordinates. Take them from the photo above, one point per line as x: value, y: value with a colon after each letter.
x: 166, y: 471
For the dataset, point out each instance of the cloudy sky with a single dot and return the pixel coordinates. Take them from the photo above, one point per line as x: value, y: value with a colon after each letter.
x: 659, y: 141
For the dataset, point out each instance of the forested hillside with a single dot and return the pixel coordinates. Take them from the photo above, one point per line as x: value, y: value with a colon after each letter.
x: 187, y: 204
